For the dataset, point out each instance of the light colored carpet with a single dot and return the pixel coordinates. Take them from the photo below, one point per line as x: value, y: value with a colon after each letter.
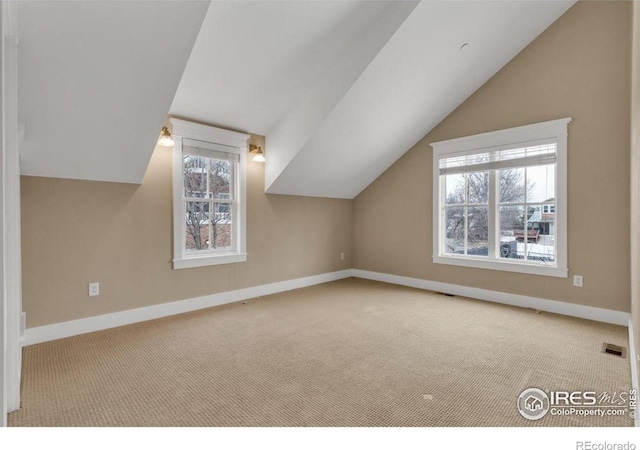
x: 348, y: 353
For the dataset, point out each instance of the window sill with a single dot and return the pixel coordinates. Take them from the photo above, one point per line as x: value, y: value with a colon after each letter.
x: 529, y: 268
x: 209, y: 260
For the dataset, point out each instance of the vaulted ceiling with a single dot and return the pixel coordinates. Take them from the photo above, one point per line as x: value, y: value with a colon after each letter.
x: 340, y: 89
x: 95, y: 82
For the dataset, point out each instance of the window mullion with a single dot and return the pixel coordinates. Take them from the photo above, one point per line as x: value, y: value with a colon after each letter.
x: 211, y: 215
x: 466, y: 213
x: 208, y: 193
x: 526, y: 213
x: 466, y: 229
x: 177, y: 148
x: 232, y: 181
x: 234, y: 189
x: 208, y: 173
x: 494, y: 238
x: 442, y: 214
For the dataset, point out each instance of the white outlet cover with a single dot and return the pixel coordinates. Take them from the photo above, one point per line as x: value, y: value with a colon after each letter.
x: 94, y: 289
x: 578, y: 280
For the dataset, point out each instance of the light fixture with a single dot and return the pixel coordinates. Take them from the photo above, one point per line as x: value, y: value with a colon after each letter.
x: 165, y: 138
x: 256, y: 151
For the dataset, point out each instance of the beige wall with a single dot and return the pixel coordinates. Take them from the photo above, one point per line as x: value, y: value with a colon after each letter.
x: 579, y: 67
x: 76, y: 232
x: 635, y: 178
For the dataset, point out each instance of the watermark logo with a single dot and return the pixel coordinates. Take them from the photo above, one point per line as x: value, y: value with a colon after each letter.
x: 533, y: 404
x: 588, y: 445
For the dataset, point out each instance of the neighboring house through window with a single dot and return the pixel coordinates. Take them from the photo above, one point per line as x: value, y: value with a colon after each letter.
x: 209, y: 198
x: 500, y: 200
x: 548, y: 209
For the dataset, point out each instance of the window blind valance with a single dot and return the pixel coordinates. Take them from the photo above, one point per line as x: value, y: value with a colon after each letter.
x: 192, y: 147
x: 484, y: 160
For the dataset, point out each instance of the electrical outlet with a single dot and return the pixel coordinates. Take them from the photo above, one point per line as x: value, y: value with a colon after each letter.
x: 94, y: 289
x: 341, y: 256
x: 577, y: 280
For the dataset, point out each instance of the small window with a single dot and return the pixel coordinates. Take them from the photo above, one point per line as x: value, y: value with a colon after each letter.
x: 209, y: 200
x: 495, y: 200
x: 209, y: 195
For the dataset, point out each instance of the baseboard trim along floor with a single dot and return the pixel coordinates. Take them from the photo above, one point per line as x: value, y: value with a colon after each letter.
x: 553, y: 306
x: 96, y: 323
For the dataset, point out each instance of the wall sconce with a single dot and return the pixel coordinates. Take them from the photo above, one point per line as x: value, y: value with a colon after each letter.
x: 256, y: 151
x: 165, y: 138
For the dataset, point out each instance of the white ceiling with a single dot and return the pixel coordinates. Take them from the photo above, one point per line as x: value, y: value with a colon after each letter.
x: 340, y: 89
x: 416, y: 80
x: 96, y: 80
x: 253, y: 60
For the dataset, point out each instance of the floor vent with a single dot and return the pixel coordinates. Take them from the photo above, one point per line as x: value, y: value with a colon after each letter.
x: 615, y: 350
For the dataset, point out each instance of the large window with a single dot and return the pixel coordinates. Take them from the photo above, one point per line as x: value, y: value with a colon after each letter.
x: 500, y: 200
x: 209, y: 195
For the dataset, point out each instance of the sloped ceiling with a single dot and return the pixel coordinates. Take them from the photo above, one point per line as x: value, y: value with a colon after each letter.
x: 96, y: 80
x: 253, y: 61
x: 340, y: 89
x: 414, y: 82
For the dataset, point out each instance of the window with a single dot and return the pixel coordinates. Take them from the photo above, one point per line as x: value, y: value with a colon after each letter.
x: 500, y: 200
x: 208, y: 195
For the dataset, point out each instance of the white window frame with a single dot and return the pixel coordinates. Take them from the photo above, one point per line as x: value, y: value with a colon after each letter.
x: 555, y: 130
x: 214, y: 138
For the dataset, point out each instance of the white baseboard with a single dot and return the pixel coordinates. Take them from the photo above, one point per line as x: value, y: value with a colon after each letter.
x: 633, y: 359
x: 75, y: 327
x: 553, y: 306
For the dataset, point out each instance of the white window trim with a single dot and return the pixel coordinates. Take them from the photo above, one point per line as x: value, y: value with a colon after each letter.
x: 236, y: 143
x: 556, y: 130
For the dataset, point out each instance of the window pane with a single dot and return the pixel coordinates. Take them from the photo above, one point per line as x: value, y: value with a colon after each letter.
x: 511, y: 183
x: 454, y: 185
x: 197, y: 226
x: 541, y: 243
x: 220, y: 173
x: 454, y: 237
x: 195, y: 176
x: 478, y: 187
x: 478, y: 231
x: 541, y: 183
x: 511, y: 232
x: 222, y: 225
